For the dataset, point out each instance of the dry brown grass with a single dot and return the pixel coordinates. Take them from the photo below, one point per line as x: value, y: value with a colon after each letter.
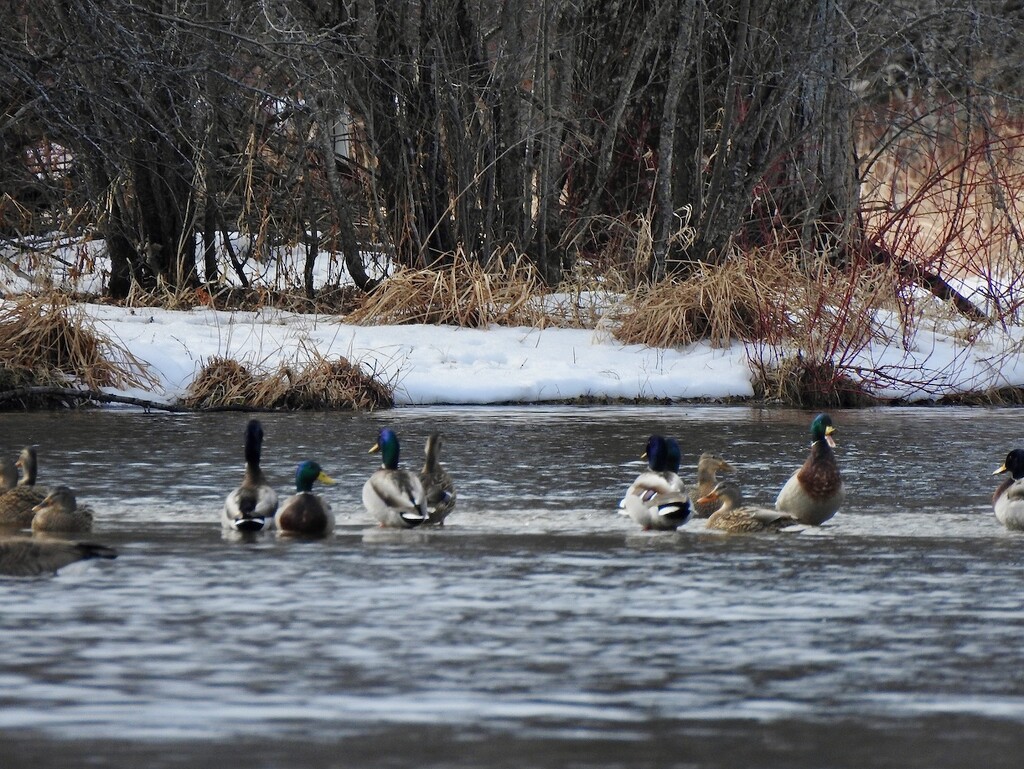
x: 316, y: 383
x: 328, y: 300
x: 738, y: 300
x: 796, y: 380
x: 221, y: 383
x: 771, y: 295
x: 997, y: 396
x: 50, y: 341
x: 462, y: 294
x: 804, y: 321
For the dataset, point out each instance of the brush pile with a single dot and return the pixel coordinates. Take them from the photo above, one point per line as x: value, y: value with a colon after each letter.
x: 51, y: 342
x: 738, y: 300
x: 464, y: 293
x: 316, y: 383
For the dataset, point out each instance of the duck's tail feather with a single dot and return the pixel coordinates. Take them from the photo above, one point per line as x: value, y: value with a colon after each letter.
x: 95, y: 550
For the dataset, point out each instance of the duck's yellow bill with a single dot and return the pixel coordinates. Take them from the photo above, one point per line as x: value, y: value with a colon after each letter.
x: 1002, y: 469
x: 325, y: 478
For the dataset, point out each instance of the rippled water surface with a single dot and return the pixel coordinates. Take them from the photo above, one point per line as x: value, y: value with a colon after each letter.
x: 538, y: 628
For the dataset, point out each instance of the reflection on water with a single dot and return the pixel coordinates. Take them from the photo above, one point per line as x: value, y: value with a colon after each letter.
x: 538, y: 627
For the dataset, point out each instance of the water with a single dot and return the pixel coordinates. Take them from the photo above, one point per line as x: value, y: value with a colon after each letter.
x: 538, y: 628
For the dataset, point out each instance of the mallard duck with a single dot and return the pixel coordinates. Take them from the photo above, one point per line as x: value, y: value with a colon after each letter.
x: 248, y: 507
x: 437, y: 484
x: 304, y: 512
x: 1008, y: 500
x: 8, y: 475
x: 815, y: 492
x: 394, y: 497
x: 731, y: 514
x: 16, y: 504
x: 59, y: 511
x: 708, y: 467
x: 657, y: 499
x: 24, y: 557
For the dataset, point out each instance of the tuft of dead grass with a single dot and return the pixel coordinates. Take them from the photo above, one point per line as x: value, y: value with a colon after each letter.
x: 803, y: 320
x: 49, y: 341
x: 316, y: 383
x: 797, y: 380
x: 222, y: 382
x: 996, y: 396
x: 336, y: 300
x: 464, y: 293
x: 323, y: 383
x: 732, y: 301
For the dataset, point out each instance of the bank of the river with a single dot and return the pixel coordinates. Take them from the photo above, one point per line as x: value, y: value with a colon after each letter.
x: 449, y: 365
x: 428, y: 364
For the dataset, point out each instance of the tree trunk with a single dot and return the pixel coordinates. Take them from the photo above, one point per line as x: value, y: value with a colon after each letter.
x: 343, y: 213
x: 665, y: 211
x: 782, y: 161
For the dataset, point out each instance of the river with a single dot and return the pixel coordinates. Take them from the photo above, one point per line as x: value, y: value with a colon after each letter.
x: 538, y: 628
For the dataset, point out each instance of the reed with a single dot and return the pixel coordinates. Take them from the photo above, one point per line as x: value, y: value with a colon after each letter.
x: 315, y: 382
x: 221, y: 383
x: 463, y: 293
x: 742, y: 299
x: 48, y: 340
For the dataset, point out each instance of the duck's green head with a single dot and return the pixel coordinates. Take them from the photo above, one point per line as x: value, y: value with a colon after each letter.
x: 822, y: 429
x: 253, y: 442
x: 308, y: 472
x: 673, y: 455
x: 1014, y: 464
x: 387, y: 445
x: 658, y: 453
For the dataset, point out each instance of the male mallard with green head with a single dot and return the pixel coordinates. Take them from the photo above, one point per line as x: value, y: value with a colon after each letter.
x: 1008, y: 499
x: 732, y: 515
x: 248, y: 507
x: 708, y: 467
x: 17, y: 503
x: 394, y: 497
x: 305, y: 512
x: 59, y: 512
x: 437, y: 484
x: 657, y: 499
x: 815, y: 492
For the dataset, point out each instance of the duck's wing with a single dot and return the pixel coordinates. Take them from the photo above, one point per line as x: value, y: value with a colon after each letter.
x: 400, y: 490
x: 650, y: 484
x: 247, y: 508
x: 252, y: 502
x: 29, y: 558
x: 439, y: 493
x: 16, y: 506
x: 305, y: 513
x: 668, y: 510
x: 768, y: 516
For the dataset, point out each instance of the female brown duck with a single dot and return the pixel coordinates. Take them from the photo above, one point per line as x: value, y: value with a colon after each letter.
x: 735, y: 516
x: 16, y: 505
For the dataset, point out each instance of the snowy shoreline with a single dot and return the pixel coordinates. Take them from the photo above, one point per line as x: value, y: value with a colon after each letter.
x: 935, y: 353
x: 446, y: 365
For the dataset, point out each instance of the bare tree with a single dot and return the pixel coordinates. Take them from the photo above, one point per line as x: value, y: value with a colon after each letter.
x: 422, y: 131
